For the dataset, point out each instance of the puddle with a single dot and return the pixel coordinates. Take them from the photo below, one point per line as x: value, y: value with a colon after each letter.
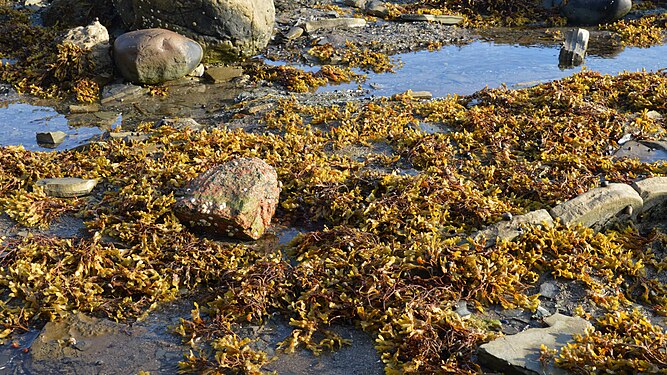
x: 466, y: 69
x: 19, y: 123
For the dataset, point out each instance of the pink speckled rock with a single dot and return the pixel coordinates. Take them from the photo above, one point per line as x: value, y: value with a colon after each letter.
x: 235, y: 199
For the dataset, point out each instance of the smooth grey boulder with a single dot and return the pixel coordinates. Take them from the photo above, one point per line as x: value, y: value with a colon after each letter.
x: 237, y: 199
x: 67, y: 187
x: 155, y: 55
x: 594, y: 12
x: 228, y: 28
x: 600, y: 207
x: 520, y: 353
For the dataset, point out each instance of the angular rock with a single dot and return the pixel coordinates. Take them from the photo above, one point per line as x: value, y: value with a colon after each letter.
x: 334, y: 23
x: 520, y: 353
x: 231, y: 28
x: 574, y: 48
x: 94, y: 37
x: 220, y: 74
x: 153, y: 56
x: 593, y: 12
x: 377, y: 8
x: 121, y: 92
x: 51, y: 138
x: 294, y: 33
x: 444, y: 19
x: 600, y: 207
x: 511, y: 229
x: 237, y: 198
x: 67, y: 187
x: 653, y: 192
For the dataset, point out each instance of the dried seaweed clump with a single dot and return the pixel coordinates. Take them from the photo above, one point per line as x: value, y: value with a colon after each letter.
x: 386, y: 246
x: 41, y: 67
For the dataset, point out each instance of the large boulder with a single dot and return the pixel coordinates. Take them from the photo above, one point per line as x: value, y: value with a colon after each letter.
x: 155, y: 55
x: 594, y: 12
x: 95, y: 38
x: 73, y: 13
x: 230, y: 27
x: 236, y: 199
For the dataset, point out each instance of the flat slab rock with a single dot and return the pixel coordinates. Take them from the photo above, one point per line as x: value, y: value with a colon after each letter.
x: 237, y: 199
x: 600, y: 207
x: 520, y: 353
x: 67, y: 187
x: 653, y: 191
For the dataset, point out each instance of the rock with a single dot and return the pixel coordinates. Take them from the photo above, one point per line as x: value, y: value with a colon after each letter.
x: 359, y: 4
x: 334, y: 23
x: 420, y: 94
x: 377, y: 8
x: 155, y: 55
x: 294, y: 33
x: 593, y: 12
x: 51, y: 138
x: 509, y: 230
x: 548, y: 290
x: 198, y: 71
x: 462, y: 309
x: 121, y: 92
x: 228, y: 28
x: 220, y: 74
x: 67, y: 187
x: 653, y: 192
x: 574, y: 48
x: 237, y: 198
x: 654, y: 115
x: 599, y: 207
x: 520, y: 353
x: 181, y: 123
x: 645, y: 152
x: 444, y: 19
x: 94, y: 37
x: 71, y: 13
x: 84, y: 108
x: 127, y: 137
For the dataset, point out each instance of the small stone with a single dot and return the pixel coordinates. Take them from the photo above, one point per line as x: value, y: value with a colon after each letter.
x: 654, y: 115
x: 198, y: 72
x: 294, y: 33
x: 67, y: 187
x: 462, y: 309
x: 84, y: 108
x: 548, y: 290
x: 507, y: 216
x: 542, y: 312
x: 51, y: 138
x: 121, y: 92
x: 219, y: 74
x: 181, y: 123
x: 444, y: 19
x: 377, y: 8
x: 259, y: 108
x: 359, y: 4
x: 334, y: 23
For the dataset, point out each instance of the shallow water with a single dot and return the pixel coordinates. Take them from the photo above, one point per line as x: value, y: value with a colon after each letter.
x: 19, y: 123
x: 466, y: 69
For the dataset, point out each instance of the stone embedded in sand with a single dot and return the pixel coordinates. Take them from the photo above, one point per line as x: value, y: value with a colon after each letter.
x: 520, y: 353
x: 593, y: 12
x: 236, y: 199
x: 600, y: 207
x: 220, y: 74
x: 155, y: 55
x: 67, y: 187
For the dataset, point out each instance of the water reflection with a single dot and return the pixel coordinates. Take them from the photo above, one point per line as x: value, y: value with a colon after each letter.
x: 469, y: 68
x: 19, y: 123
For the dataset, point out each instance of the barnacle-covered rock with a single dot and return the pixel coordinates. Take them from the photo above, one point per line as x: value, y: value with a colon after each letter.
x: 600, y: 207
x: 237, y: 199
x: 95, y: 38
x: 155, y: 55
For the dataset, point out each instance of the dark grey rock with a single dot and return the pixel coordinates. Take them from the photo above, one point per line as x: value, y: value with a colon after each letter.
x: 155, y: 55
x: 593, y: 12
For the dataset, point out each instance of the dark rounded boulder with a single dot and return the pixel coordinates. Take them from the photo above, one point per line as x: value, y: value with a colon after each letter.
x: 155, y: 55
x: 594, y: 12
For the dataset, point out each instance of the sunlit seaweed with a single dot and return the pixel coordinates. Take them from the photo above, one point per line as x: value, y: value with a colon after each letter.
x: 386, y: 250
